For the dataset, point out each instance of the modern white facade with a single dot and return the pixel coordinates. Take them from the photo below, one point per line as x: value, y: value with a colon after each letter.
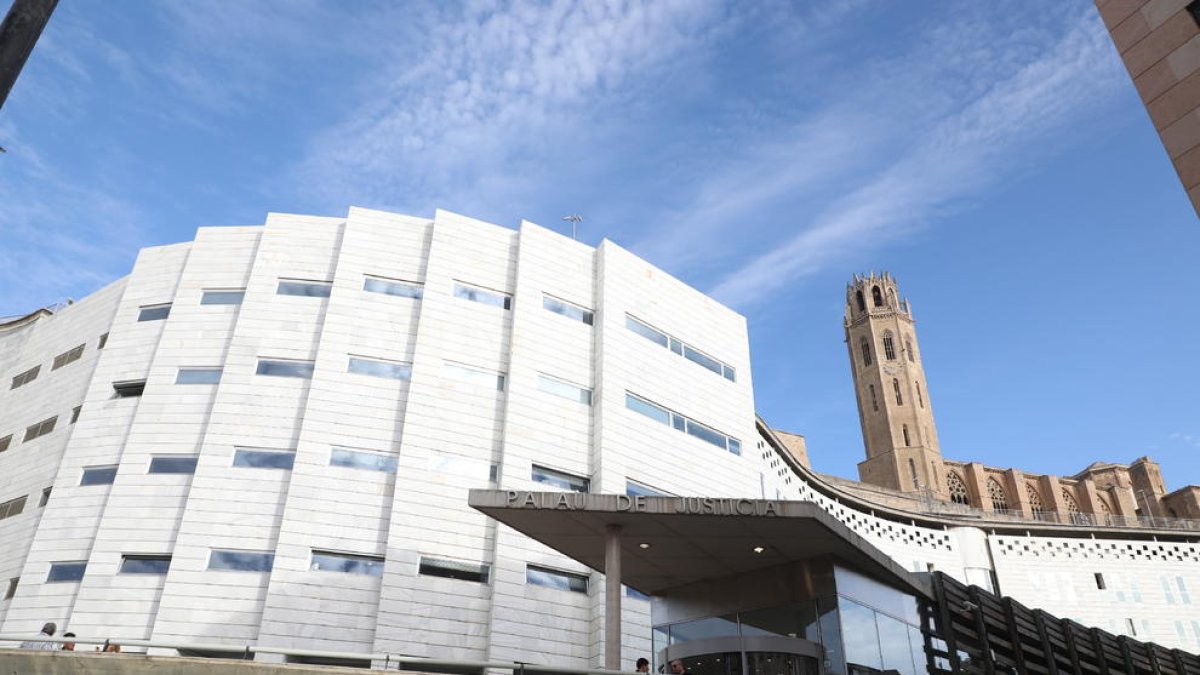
x: 321, y: 395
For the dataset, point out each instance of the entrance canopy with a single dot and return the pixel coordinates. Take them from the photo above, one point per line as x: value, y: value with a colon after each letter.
x: 668, y: 542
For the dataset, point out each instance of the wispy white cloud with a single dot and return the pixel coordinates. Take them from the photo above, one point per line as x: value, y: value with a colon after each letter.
x: 1189, y: 439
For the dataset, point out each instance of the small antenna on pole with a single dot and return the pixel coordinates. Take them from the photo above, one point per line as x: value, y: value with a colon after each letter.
x: 574, y: 219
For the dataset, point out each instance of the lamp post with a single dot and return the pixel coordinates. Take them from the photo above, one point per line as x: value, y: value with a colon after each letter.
x: 574, y: 219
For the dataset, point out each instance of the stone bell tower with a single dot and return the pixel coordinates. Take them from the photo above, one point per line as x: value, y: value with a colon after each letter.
x: 889, y: 382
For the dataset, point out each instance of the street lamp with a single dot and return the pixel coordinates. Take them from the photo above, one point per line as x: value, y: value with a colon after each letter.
x: 574, y: 219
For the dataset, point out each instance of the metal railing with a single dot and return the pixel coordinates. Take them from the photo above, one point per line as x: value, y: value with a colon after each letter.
x: 950, y: 509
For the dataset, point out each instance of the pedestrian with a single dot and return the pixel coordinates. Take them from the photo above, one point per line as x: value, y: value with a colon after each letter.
x: 677, y: 668
x: 68, y: 646
x: 643, y: 665
x: 44, y: 645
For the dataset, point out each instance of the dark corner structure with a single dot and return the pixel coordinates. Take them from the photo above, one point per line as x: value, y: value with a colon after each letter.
x: 18, y: 34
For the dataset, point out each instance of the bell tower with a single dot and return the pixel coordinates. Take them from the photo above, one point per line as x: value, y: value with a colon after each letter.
x: 889, y: 382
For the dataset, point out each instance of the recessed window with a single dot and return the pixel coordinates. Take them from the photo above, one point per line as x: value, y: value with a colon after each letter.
x: 361, y: 459
x: 567, y: 309
x: 865, y: 344
x: 402, y: 289
x: 392, y: 370
x: 102, y: 342
x: 70, y: 356
x: 98, y: 475
x: 264, y: 459
x: 685, y: 350
x: 5, y: 442
x: 560, y: 479
x: 12, y: 507
x: 304, y: 288
x: 26, y: 377
x: 920, y: 398
x: 889, y: 347
x: 682, y: 423
x: 154, y: 312
x: 241, y: 561
x: 564, y: 581
x: 40, y: 429
x: 144, y: 564
x: 75, y: 413
x: 652, y: 334
x: 909, y: 350
x: 66, y: 571
x: 229, y: 297
x: 874, y: 399
x: 896, y: 388
x: 12, y: 588
x: 284, y: 368
x: 1100, y: 581
x: 45, y: 497
x: 654, y: 412
x: 129, y: 388
x: 186, y: 465
x: 553, y: 385
x: 453, y: 569
x: 347, y: 563
x: 465, y: 373
x: 696, y: 356
x: 636, y: 489
x: 198, y: 376
x: 482, y: 295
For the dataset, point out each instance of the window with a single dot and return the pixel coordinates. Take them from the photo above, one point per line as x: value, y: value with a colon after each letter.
x: 12, y: 507
x: 866, y: 350
x: 401, y: 289
x: 129, y: 388
x: 186, y: 464
x: 685, y: 350
x: 359, y: 459
x: 465, y: 373
x: 12, y: 588
x: 241, y: 561
x: 912, y: 471
x: 66, y: 571
x: 227, y: 297
x: 45, y: 497
x: 1035, y: 500
x: 889, y: 347
x: 651, y: 334
x: 452, y: 569
x: 896, y: 387
x: 284, y: 368
x: 907, y: 442
x: 264, y: 459
x: 958, y: 489
x: 563, y: 581
x: 912, y: 356
x: 641, y: 405
x: 1129, y: 628
x: 98, y: 475
x: 144, y: 564
x: 998, y: 496
x: 103, y: 341
x: 567, y: 309
x: 75, y: 413
x: 40, y: 429
x: 482, y: 295
x: 154, y: 312
x: 198, y: 376
x: 920, y: 398
x: 636, y: 489
x: 347, y: 563
x: 5, y: 442
x: 552, y: 385
x: 874, y: 399
x: 26, y: 377
x: 392, y: 370
x: 560, y: 480
x: 1100, y: 581
x: 304, y: 288
x: 862, y: 303
x: 877, y: 296
x: 682, y: 423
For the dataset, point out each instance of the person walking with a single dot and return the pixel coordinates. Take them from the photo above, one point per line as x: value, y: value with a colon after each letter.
x: 44, y: 645
x: 643, y: 665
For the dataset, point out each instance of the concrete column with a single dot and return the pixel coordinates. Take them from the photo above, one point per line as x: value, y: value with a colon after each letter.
x: 612, y: 597
x: 976, y: 479
x: 1018, y: 496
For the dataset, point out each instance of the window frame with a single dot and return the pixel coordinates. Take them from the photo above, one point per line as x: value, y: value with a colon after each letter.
x: 101, y: 470
x: 407, y: 289
x: 482, y: 295
x: 129, y: 388
x: 222, y: 296
x: 562, y: 480
x: 13, y: 507
x: 462, y: 372
x: 267, y: 556
x: 543, y: 573
x: 151, y: 312
x: 290, y: 287
x: 164, y: 464
x: 22, y: 379
x: 304, y: 369
x: 131, y: 561
x: 556, y: 386
x: 67, y: 566
x: 568, y: 309
x: 402, y: 370
x: 459, y: 570
x: 385, y: 463
x: 371, y: 565
x: 239, y: 451
x: 39, y: 429
x: 211, y: 372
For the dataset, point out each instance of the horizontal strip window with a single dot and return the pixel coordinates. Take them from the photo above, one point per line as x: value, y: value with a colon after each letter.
x: 26, y: 377
x: 264, y: 459
x: 553, y: 385
x: 98, y: 475
x: 636, y: 489
x: 5, y: 442
x: 304, y: 288
x: 453, y: 569
x: 70, y: 356
x: 400, y: 289
x: 40, y: 429
x: 154, y: 312
x: 144, y: 564
x: 392, y: 370
x: 129, y: 388
x: 282, y: 368
x: 682, y: 348
x: 185, y: 465
x: 359, y: 459
x: 567, y: 309
x: 198, y: 376
x: 66, y: 571
x: 560, y: 479
x: 241, y: 561
x: 230, y: 297
x: 347, y: 563
x: 563, y: 581
x: 682, y: 423
x: 464, y: 373
x: 12, y: 507
x: 482, y: 295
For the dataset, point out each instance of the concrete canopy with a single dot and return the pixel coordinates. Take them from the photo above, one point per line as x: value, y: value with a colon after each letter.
x: 690, y: 539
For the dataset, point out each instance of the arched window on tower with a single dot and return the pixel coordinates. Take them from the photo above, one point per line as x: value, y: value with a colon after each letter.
x: 891, y: 298
x: 996, y: 492
x: 1035, y: 500
x: 907, y: 442
x: 896, y: 386
x: 862, y: 304
x: 874, y: 401
x: 908, y: 348
x: 920, y: 398
x: 889, y: 347
x: 958, y: 489
x: 866, y: 350
x: 912, y: 470
x: 877, y: 296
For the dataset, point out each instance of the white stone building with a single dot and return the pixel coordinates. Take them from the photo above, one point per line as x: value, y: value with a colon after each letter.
x: 269, y: 434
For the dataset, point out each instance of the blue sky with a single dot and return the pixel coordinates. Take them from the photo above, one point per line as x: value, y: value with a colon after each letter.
x: 992, y: 156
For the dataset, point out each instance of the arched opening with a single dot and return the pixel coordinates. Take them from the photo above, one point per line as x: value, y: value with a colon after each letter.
x: 891, y: 298
x: 1077, y: 516
x: 1035, y: 500
x: 896, y: 386
x: 877, y: 296
x: 874, y: 401
x: 862, y: 303
x: 958, y: 489
x: 889, y: 347
x: 920, y: 398
x: 997, y: 494
x: 907, y: 442
x: 866, y: 350
x: 909, y: 350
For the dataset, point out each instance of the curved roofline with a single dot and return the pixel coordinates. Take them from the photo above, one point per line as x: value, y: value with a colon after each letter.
x: 18, y: 321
